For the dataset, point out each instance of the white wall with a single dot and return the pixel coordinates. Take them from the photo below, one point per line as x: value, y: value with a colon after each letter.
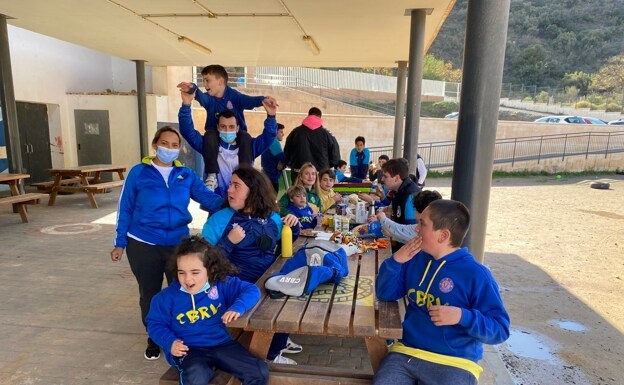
x: 45, y: 70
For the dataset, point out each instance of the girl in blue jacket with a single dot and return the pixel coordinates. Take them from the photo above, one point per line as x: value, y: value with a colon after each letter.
x: 189, y: 317
x: 153, y: 216
x: 247, y: 231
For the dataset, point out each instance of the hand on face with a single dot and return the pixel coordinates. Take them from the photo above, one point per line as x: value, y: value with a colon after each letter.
x: 408, y: 251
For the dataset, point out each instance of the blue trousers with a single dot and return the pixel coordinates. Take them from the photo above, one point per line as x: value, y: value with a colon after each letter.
x: 199, y: 365
x: 401, y: 369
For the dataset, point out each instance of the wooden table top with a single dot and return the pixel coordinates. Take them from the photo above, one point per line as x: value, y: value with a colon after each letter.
x: 6, y: 178
x: 348, y: 308
x: 88, y: 168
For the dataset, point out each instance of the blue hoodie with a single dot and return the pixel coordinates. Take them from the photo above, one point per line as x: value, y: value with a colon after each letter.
x: 454, y: 280
x: 232, y: 100
x: 157, y: 212
x: 196, y: 319
x: 306, y: 215
x: 251, y: 259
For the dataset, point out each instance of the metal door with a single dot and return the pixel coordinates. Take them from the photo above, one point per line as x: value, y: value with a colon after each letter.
x: 92, y: 137
x: 34, y: 131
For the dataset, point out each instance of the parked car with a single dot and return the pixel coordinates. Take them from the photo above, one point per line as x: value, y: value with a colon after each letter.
x: 593, y: 120
x: 452, y: 115
x: 618, y: 122
x: 561, y: 120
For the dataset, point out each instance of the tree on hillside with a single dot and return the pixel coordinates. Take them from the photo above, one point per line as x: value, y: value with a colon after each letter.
x: 437, y: 69
x: 532, y: 66
x: 610, y: 78
x: 578, y: 79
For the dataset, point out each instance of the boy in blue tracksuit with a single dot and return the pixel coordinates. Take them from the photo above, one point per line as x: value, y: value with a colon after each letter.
x: 454, y: 305
x: 300, y: 208
x: 359, y: 159
x: 189, y: 318
x: 273, y: 160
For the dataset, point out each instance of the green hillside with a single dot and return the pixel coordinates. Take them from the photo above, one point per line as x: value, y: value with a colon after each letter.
x: 546, y: 38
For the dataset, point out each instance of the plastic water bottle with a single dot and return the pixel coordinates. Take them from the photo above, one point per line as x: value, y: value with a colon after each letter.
x: 287, y: 247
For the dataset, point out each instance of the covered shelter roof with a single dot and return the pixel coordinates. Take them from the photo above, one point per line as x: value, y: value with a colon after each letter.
x: 320, y: 33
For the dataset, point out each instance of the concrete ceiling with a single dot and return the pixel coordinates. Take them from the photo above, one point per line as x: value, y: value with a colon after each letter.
x: 348, y: 33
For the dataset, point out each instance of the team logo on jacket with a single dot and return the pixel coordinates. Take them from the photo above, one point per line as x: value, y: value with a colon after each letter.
x: 399, y: 212
x: 446, y: 285
x: 229, y: 105
x: 213, y: 293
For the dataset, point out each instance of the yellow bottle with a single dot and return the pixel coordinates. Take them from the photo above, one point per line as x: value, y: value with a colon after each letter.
x: 287, y: 250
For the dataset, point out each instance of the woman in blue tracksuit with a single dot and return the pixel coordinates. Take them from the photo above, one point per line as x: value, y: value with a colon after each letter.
x: 247, y: 232
x: 153, y: 216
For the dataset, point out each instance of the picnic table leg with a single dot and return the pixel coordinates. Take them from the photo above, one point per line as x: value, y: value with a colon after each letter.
x: 55, y: 189
x: 260, y: 342
x: 84, y: 181
x: 377, y: 350
x: 121, y: 174
x: 21, y: 207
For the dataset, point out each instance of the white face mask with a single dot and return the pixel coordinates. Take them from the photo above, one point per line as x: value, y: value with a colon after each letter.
x: 167, y: 155
x: 204, y: 288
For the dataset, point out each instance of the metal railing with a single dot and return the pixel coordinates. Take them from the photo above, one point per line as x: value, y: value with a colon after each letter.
x: 531, y: 148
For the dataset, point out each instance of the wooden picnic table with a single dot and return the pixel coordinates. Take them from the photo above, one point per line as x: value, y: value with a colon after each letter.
x: 17, y: 198
x: 85, y: 179
x: 346, y: 309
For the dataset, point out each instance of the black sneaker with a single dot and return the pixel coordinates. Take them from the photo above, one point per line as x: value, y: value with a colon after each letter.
x: 152, y: 352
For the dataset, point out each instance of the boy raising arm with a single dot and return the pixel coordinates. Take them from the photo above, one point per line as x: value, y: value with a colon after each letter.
x: 454, y: 305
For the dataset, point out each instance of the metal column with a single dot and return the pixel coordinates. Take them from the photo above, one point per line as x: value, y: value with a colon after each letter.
x: 7, y: 101
x: 484, y: 55
x: 399, y: 116
x: 141, y: 100
x: 414, y: 87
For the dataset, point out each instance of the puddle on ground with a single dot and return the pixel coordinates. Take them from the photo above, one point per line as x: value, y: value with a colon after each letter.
x: 570, y: 325
x: 528, y: 345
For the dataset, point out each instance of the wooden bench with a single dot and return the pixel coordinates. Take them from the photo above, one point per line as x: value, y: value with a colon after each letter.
x: 22, y: 200
x: 171, y: 377
x: 104, y: 185
x: 47, y: 186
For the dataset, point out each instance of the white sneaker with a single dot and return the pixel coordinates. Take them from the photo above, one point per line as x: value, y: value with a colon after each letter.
x: 284, y: 360
x: 292, y: 347
x: 211, y: 182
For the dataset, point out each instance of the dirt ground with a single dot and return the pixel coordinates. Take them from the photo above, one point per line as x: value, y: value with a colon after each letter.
x: 556, y: 248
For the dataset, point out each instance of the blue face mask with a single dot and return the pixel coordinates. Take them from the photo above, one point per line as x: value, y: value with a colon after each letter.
x: 227, y: 137
x: 167, y: 155
x: 205, y: 288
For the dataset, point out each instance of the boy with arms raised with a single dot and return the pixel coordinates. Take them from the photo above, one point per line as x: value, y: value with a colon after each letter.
x: 453, y: 303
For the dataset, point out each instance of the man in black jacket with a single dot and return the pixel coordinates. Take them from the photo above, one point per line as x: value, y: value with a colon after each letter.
x: 310, y: 142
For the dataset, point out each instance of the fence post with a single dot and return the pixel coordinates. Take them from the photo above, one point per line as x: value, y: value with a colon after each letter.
x: 539, y: 155
x: 607, y: 149
x: 588, y: 141
x: 565, y: 145
x: 513, y: 156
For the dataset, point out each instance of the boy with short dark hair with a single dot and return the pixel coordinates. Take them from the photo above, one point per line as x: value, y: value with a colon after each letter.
x: 454, y: 305
x: 359, y: 159
x: 376, y: 173
x: 341, y: 168
x: 396, y: 179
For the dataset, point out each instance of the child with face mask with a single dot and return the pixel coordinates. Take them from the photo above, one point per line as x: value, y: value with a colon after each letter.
x: 189, y: 318
x: 153, y: 216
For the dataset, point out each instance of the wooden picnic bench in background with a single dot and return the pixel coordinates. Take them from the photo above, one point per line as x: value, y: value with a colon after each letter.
x: 17, y: 198
x: 85, y: 179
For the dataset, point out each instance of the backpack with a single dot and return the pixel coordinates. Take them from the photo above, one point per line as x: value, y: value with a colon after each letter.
x: 315, y: 262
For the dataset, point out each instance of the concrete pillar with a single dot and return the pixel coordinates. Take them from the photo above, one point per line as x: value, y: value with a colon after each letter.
x: 414, y: 86
x: 484, y: 55
x: 142, y: 103
x: 399, y: 116
x: 7, y: 102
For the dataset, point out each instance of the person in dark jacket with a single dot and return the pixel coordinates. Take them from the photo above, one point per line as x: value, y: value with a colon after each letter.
x: 153, y: 217
x: 247, y: 231
x: 396, y: 178
x: 311, y: 142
